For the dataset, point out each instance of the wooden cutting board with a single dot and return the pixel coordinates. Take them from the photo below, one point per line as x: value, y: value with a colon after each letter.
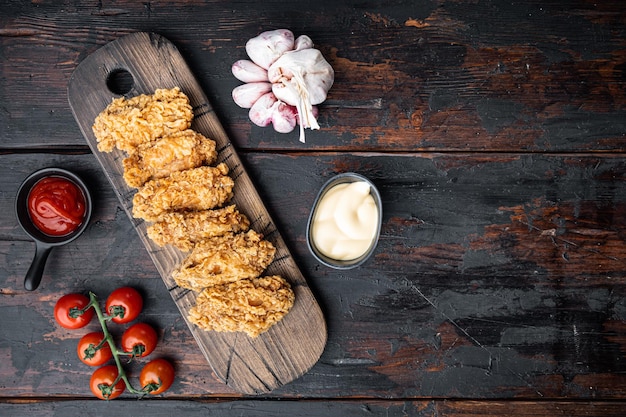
x: 250, y: 366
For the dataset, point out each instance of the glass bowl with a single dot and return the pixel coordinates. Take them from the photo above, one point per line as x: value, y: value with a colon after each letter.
x: 347, y: 177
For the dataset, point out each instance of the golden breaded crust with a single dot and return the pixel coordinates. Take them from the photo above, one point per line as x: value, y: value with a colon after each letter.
x: 201, y: 188
x: 183, y: 197
x: 251, y: 305
x: 127, y: 123
x: 184, y: 229
x: 176, y: 152
x: 224, y: 259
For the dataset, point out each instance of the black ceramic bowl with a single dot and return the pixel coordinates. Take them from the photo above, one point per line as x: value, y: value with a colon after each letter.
x: 347, y: 177
x: 43, y: 242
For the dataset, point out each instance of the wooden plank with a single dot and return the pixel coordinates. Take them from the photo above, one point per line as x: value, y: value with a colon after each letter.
x: 440, y: 76
x: 370, y: 408
x: 497, y: 276
x: 291, y: 347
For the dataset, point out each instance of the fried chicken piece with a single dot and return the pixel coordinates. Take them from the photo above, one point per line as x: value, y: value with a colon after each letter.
x: 224, y: 259
x: 249, y: 305
x: 184, y: 229
x: 126, y: 123
x: 201, y: 188
x: 176, y: 152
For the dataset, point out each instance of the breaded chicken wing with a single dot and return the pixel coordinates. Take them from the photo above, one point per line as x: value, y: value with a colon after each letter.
x: 184, y: 229
x: 176, y: 152
x: 249, y: 305
x: 200, y: 188
x: 127, y: 123
x: 223, y: 259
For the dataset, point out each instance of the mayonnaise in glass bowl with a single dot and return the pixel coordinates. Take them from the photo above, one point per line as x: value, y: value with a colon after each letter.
x: 344, y: 224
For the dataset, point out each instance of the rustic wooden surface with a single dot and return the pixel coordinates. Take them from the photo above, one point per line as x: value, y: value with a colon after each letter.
x: 495, y: 132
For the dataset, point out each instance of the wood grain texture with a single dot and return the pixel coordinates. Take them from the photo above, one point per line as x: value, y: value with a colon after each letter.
x: 376, y: 408
x: 495, y: 132
x: 250, y: 365
x: 496, y: 277
x: 436, y: 75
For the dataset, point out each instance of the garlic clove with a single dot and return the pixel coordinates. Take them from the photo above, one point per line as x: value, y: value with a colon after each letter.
x: 303, y: 42
x: 248, y: 72
x: 267, y: 47
x: 268, y: 109
x: 284, y: 117
x: 246, y: 95
x: 261, y: 111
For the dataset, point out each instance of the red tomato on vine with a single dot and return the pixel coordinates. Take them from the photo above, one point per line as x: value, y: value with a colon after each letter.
x: 156, y: 376
x: 93, y: 349
x: 104, y: 383
x: 140, y: 339
x: 124, y: 305
x: 70, y: 313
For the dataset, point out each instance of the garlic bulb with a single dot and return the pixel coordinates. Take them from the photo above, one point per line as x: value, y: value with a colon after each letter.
x: 285, y: 79
x: 302, y: 78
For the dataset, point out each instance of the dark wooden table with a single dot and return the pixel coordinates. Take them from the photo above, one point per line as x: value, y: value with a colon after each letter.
x: 495, y: 132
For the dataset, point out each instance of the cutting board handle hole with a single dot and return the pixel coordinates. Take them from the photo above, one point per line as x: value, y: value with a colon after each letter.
x: 120, y: 81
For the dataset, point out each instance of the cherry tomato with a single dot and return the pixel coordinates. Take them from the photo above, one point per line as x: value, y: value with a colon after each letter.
x: 93, y: 350
x: 101, y: 383
x: 68, y: 311
x: 140, y: 339
x: 124, y: 305
x: 157, y: 376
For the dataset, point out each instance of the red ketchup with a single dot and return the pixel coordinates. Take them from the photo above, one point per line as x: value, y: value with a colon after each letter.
x: 56, y: 206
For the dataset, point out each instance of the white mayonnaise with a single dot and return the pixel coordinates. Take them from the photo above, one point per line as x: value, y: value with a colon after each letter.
x: 345, y: 221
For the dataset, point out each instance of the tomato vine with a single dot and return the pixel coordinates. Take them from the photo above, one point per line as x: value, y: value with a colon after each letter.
x: 75, y: 311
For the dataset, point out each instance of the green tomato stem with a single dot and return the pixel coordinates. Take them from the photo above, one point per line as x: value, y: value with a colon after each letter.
x: 116, y: 353
x: 101, y: 344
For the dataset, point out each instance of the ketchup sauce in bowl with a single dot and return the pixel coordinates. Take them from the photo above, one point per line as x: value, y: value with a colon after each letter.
x: 56, y: 206
x: 53, y: 206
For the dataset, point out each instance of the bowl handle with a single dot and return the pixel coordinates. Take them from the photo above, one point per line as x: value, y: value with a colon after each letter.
x: 35, y: 272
